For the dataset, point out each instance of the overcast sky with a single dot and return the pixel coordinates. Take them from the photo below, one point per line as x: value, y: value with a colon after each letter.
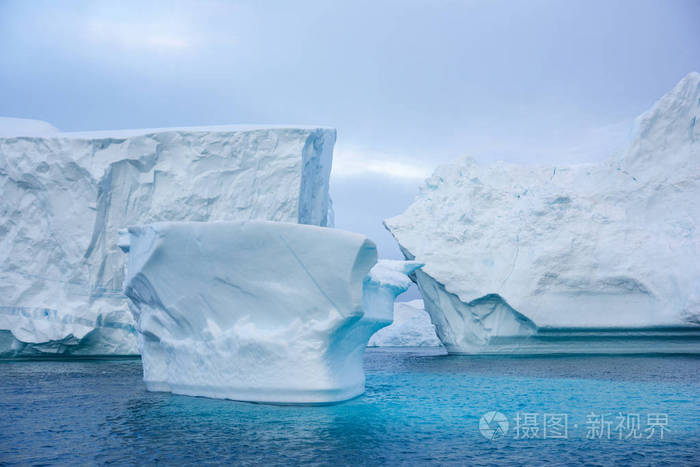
x: 408, y: 84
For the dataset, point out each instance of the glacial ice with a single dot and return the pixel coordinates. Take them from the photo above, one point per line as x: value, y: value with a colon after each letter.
x: 568, y: 259
x: 257, y: 311
x: 411, y: 328
x: 66, y: 195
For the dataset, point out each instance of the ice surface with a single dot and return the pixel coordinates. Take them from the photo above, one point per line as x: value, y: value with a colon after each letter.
x: 66, y: 195
x: 411, y: 328
x: 257, y: 311
x: 387, y: 280
x: 517, y: 251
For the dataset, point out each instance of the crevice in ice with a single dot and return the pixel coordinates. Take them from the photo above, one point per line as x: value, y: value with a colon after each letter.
x: 235, y: 286
x: 308, y: 274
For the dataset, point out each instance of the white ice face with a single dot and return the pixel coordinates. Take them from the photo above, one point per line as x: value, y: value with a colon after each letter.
x: 66, y: 195
x: 257, y: 311
x: 510, y: 250
x: 411, y: 328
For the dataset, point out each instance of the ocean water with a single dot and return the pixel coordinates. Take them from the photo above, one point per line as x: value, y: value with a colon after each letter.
x: 419, y: 408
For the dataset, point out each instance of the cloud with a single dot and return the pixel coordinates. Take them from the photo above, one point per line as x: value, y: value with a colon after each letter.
x: 140, y: 35
x: 352, y: 162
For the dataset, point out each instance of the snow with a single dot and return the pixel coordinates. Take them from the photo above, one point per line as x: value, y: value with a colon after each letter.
x: 131, y: 132
x: 66, y: 196
x: 518, y: 251
x: 411, y: 328
x: 257, y: 311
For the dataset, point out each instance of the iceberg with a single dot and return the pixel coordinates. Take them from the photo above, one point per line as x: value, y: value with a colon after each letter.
x: 257, y: 311
x: 601, y: 257
x: 411, y: 328
x: 65, y: 196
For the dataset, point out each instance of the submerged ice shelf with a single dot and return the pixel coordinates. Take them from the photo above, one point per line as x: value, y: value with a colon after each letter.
x: 589, y: 258
x: 66, y: 195
x: 257, y: 311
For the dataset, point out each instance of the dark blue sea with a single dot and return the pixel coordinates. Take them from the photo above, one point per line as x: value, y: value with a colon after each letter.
x: 419, y: 408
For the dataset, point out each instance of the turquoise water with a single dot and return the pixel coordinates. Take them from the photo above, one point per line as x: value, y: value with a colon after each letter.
x: 419, y: 408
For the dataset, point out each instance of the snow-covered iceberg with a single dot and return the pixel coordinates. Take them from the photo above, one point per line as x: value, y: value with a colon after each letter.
x: 411, y: 328
x: 257, y: 311
x: 590, y: 258
x: 64, y: 196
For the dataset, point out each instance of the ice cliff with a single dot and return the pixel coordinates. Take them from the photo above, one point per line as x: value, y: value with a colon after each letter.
x: 576, y: 259
x: 64, y: 196
x: 257, y: 311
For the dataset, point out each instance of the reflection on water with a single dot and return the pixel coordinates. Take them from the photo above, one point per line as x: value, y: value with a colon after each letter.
x: 420, y: 407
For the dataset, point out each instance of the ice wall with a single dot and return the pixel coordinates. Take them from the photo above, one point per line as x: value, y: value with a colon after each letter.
x: 64, y: 196
x: 257, y: 311
x: 510, y: 251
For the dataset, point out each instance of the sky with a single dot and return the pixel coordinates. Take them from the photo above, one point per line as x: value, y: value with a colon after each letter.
x: 408, y: 84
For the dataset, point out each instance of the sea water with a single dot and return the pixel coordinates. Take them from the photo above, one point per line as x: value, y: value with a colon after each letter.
x: 420, y: 407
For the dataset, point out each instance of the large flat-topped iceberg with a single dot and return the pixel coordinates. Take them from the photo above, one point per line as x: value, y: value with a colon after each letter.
x: 66, y: 195
x: 257, y: 311
x: 522, y: 258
